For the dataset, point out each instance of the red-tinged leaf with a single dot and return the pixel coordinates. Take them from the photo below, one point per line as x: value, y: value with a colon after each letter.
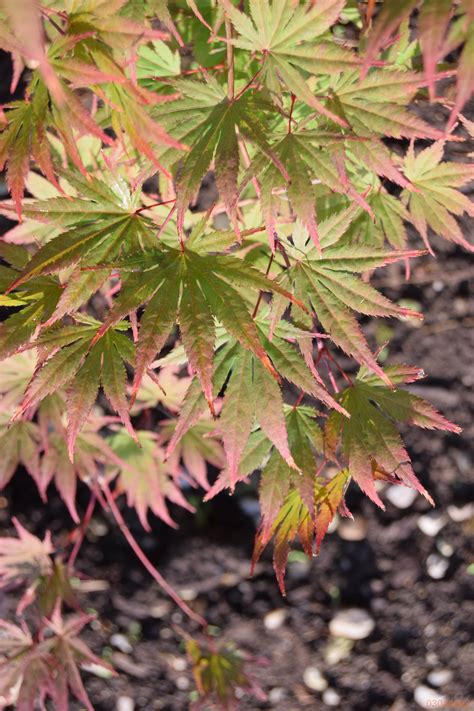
x: 436, y: 196
x: 19, y: 445
x: 433, y: 23
x: 53, y: 374
x: 144, y: 477
x: 56, y: 465
x: 371, y: 445
x: 274, y: 486
x: 376, y: 156
x: 387, y: 21
x: 341, y: 325
x: 81, y: 395
x: 465, y: 79
x: 269, y: 411
x: 26, y: 557
x: 328, y: 499
x: 237, y: 416
x: 227, y: 171
x: 292, y: 520
x: 289, y: 365
x: 114, y: 381
x: 25, y: 20
x: 194, y: 402
x: 68, y: 653
x: 197, y: 330
x: 155, y: 326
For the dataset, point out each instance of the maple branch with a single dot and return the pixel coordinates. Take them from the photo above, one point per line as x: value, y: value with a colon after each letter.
x: 260, y: 293
x: 154, y: 204
x: 290, y: 118
x: 83, y: 528
x: 230, y: 60
x: 145, y: 561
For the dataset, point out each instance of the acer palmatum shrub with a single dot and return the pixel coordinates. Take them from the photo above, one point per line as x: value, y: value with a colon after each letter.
x: 119, y: 300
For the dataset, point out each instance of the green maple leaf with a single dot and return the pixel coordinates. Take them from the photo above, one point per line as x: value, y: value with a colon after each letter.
x: 75, y: 361
x: 24, y: 139
x: 193, y: 289
x: 209, y: 121
x: 100, y: 225
x: 376, y: 105
x: 329, y: 286
x: 370, y: 442
x: 285, y: 35
x: 436, y: 199
x: 36, y: 300
x: 309, y: 157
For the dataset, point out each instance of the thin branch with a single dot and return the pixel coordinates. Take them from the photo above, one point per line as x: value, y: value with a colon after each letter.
x: 144, y: 560
x: 260, y: 293
x: 83, y: 528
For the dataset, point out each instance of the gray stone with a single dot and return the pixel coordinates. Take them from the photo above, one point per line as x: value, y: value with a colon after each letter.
x: 428, y: 698
x: 353, y: 623
x: 432, y: 523
x: 437, y: 566
x: 440, y: 677
x: 314, y: 680
x: 331, y: 697
x: 125, y: 703
x: 119, y: 641
x: 274, y: 619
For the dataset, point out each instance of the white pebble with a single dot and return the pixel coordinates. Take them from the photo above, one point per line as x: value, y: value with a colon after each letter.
x: 331, y: 698
x: 182, y: 682
x: 461, y: 513
x: 125, y: 703
x: 440, y: 677
x: 431, y: 523
x: 353, y: 623
x: 445, y: 548
x: 274, y: 619
x: 401, y: 496
x: 428, y: 698
x: 276, y: 694
x: 121, y: 642
x: 314, y: 680
x: 436, y: 566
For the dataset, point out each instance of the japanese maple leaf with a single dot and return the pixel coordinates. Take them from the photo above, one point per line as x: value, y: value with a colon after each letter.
x: 192, y: 288
x: 208, y: 119
x: 71, y: 358
x: 196, y: 448
x: 309, y: 157
x: 36, y: 300
x: 49, y: 667
x: 218, y: 673
x: 376, y: 105
x: 369, y: 440
x: 101, y: 224
x: 252, y: 396
x: 437, y: 199
x: 144, y: 477
x: 285, y: 35
x: 20, y: 444
x: 26, y: 557
x: 328, y: 285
